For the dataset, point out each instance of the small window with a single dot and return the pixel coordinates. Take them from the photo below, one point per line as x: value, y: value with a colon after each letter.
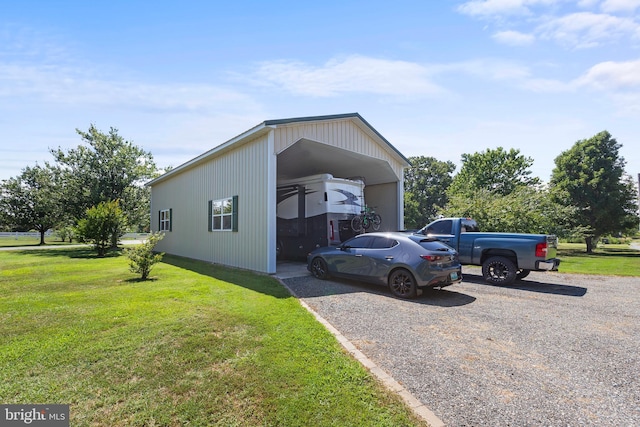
x: 440, y: 227
x: 223, y: 214
x: 164, y: 219
x: 359, y: 242
x: 383, y: 243
x: 470, y: 226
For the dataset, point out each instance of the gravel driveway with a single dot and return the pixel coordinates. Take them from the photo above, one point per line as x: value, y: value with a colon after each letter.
x: 553, y: 350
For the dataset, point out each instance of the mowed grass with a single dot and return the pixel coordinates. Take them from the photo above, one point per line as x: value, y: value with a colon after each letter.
x: 199, y: 345
x: 607, y: 260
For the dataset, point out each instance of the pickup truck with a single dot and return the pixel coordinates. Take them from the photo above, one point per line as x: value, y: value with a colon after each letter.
x: 504, y: 257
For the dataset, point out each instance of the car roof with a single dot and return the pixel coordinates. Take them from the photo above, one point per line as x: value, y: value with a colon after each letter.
x: 400, y: 236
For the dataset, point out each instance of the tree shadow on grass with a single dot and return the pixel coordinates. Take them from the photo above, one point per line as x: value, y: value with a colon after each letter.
x: 245, y: 278
x: 74, y: 253
x: 140, y: 280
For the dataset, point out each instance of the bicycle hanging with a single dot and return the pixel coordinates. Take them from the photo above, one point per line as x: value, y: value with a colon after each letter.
x: 367, y: 219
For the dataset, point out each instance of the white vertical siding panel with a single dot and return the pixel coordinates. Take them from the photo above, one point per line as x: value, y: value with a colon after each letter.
x: 240, y: 172
x: 339, y: 133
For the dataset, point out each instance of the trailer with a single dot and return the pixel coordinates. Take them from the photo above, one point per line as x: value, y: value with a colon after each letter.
x: 315, y: 211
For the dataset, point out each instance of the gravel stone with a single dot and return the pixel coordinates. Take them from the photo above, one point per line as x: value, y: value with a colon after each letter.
x: 552, y: 350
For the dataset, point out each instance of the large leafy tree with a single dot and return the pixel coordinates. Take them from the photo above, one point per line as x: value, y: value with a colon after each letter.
x: 590, y: 177
x: 496, y: 187
x: 496, y: 170
x: 106, y: 168
x: 525, y: 210
x: 31, y: 201
x: 425, y: 186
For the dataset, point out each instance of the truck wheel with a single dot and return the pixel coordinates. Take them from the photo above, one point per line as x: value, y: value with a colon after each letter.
x: 522, y: 274
x: 319, y: 268
x: 402, y: 284
x: 499, y: 270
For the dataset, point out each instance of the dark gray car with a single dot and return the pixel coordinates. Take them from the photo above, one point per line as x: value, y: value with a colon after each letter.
x: 402, y: 261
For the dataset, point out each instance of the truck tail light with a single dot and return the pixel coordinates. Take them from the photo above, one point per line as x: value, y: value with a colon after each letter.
x: 432, y: 258
x: 332, y: 234
x: 541, y: 250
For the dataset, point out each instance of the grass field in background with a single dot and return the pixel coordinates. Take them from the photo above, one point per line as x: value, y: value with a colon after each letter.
x: 608, y: 260
x: 6, y: 241
x: 199, y: 345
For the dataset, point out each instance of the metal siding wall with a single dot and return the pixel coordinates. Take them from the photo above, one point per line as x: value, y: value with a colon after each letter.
x: 242, y: 172
x: 385, y: 199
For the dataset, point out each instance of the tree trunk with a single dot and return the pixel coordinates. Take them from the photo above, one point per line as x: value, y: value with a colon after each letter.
x: 42, y: 237
x: 591, y: 244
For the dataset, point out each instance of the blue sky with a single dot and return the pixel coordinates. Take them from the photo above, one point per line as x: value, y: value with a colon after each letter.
x: 437, y: 78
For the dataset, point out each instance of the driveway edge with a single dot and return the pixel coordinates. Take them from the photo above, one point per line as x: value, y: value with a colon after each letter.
x: 416, y: 406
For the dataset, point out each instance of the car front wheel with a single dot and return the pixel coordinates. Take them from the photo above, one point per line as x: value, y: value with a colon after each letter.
x: 402, y: 284
x: 499, y: 270
x: 319, y: 269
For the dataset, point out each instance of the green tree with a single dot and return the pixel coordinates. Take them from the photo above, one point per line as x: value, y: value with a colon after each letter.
x: 525, y: 210
x: 102, y: 225
x: 590, y: 177
x: 496, y: 170
x: 495, y: 187
x: 425, y: 186
x: 31, y: 201
x: 142, y: 258
x: 106, y: 168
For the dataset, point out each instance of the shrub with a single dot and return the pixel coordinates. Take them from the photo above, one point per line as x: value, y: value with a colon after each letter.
x: 142, y: 258
x: 66, y: 233
x: 102, y: 225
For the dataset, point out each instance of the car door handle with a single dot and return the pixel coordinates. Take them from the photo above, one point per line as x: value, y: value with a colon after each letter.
x: 358, y: 254
x: 388, y: 257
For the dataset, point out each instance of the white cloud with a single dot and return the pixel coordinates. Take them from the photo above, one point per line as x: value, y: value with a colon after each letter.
x: 488, y: 8
x: 612, y: 6
x: 70, y: 86
x: 601, y: 22
x: 612, y: 76
x: 352, y: 74
x: 586, y: 29
x: 513, y: 38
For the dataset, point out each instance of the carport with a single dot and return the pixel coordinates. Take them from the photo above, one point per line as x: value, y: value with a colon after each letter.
x: 242, y: 174
x: 384, y: 187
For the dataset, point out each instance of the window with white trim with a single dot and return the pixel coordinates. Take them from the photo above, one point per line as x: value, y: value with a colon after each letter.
x: 223, y: 214
x: 164, y: 219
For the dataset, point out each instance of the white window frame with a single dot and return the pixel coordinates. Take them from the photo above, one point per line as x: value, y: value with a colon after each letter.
x: 165, y: 220
x: 222, y: 214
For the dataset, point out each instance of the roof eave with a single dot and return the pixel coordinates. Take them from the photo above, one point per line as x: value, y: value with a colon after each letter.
x: 246, y: 136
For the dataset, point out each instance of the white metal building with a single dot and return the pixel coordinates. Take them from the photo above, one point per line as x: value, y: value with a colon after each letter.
x: 221, y: 206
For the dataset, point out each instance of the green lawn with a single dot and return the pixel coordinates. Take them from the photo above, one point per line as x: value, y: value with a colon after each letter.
x: 611, y: 260
x: 199, y: 345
